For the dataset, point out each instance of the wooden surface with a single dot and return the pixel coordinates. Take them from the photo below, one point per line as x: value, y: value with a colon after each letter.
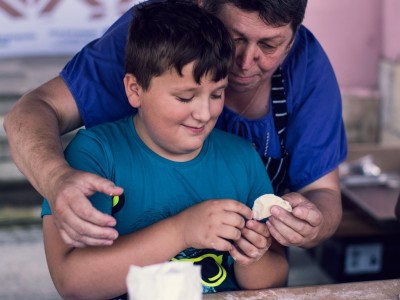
x: 374, y: 290
x: 376, y: 202
x: 355, y: 224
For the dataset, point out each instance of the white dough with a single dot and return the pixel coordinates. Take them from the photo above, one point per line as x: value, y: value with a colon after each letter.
x: 263, y: 204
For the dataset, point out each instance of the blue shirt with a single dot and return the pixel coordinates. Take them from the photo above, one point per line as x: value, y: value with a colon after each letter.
x: 315, y: 135
x: 156, y: 188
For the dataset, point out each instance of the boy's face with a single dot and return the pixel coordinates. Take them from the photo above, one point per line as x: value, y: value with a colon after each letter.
x: 176, y: 114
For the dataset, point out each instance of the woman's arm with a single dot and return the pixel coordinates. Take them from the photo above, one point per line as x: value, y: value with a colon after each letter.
x: 33, y: 128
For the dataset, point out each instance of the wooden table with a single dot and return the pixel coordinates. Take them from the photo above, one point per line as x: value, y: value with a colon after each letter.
x: 374, y: 290
x: 375, y: 201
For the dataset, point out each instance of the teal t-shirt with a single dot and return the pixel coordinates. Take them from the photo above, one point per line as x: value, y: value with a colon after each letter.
x: 156, y: 188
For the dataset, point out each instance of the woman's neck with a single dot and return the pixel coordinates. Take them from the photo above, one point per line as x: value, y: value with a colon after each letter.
x: 251, y: 105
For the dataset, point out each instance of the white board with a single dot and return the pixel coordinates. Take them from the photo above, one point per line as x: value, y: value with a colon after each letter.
x: 54, y: 27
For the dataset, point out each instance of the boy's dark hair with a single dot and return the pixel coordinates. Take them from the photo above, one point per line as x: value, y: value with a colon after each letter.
x: 171, y: 34
x: 273, y: 12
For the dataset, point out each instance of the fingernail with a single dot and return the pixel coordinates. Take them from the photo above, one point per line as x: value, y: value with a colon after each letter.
x: 275, y: 211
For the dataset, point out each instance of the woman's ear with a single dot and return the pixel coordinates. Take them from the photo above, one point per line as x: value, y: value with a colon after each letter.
x: 132, y: 90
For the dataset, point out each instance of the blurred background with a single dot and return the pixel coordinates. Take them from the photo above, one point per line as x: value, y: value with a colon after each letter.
x: 362, y: 39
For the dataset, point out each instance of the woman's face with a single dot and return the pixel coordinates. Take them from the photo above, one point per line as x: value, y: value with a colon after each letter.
x: 260, y: 48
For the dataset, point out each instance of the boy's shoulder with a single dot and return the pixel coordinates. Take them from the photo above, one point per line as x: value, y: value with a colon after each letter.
x: 230, y: 140
x: 105, y: 133
x: 110, y: 127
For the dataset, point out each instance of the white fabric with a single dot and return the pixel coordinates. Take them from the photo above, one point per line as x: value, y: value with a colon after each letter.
x: 165, y: 281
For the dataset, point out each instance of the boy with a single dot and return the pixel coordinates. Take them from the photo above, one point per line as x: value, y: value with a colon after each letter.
x: 169, y: 161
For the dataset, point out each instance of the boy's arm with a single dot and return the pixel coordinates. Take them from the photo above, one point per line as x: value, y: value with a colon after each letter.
x: 260, y: 262
x: 33, y: 128
x: 270, y: 271
x: 100, y: 272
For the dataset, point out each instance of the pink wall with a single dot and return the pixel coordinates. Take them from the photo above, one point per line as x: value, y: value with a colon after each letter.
x: 391, y: 33
x: 351, y: 34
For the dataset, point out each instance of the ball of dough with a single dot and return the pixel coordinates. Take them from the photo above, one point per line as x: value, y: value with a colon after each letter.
x: 262, y: 206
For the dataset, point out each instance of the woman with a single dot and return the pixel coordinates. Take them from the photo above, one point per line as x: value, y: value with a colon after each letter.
x: 282, y: 96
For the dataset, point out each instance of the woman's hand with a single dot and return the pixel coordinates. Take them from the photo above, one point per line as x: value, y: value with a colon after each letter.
x: 317, y: 211
x: 78, y: 222
x: 299, y: 227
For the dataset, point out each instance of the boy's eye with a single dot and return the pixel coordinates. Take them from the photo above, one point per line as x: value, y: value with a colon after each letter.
x: 219, y: 96
x: 185, y: 100
x: 238, y: 40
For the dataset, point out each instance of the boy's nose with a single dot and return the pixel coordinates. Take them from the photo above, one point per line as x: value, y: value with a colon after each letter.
x: 201, y: 111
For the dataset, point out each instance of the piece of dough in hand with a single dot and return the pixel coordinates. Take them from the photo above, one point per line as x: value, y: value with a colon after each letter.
x: 263, y: 204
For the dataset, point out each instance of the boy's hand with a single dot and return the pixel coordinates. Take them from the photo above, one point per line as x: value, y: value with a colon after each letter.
x: 213, y: 224
x: 253, y: 244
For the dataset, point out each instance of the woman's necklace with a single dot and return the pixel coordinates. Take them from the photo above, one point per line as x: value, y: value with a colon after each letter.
x: 246, y: 108
x: 263, y: 90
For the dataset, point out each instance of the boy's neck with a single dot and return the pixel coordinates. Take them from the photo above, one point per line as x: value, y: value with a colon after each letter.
x: 152, y: 145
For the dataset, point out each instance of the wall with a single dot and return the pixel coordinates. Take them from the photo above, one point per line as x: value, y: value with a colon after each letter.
x: 362, y: 39
x: 350, y: 32
x: 391, y: 32
x: 390, y: 68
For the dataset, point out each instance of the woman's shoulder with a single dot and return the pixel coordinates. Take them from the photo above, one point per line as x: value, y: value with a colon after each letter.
x: 306, y: 47
x: 305, y: 63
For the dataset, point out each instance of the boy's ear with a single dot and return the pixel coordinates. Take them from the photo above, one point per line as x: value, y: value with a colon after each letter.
x: 132, y: 90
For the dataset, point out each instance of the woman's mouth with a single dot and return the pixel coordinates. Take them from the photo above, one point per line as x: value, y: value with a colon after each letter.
x: 240, y: 79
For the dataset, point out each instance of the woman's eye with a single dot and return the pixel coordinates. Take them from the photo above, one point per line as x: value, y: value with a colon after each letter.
x: 267, y: 48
